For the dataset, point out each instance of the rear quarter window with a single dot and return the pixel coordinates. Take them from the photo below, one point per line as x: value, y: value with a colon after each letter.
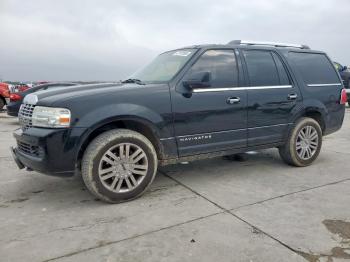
x: 314, y: 68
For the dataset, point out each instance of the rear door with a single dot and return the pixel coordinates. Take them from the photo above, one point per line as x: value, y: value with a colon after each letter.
x: 211, y: 118
x: 272, y: 97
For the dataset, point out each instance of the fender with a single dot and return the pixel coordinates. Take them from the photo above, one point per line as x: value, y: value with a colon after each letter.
x: 112, y: 112
x: 119, y: 112
x: 309, y: 106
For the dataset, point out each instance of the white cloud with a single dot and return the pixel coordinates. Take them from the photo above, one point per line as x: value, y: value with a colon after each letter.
x: 107, y: 40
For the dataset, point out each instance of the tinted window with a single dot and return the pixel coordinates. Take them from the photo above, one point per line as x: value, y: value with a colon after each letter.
x: 262, y: 70
x: 314, y: 68
x: 222, y: 66
x: 283, y: 76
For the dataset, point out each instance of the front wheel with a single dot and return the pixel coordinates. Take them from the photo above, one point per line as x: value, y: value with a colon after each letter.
x: 304, y: 143
x: 119, y: 165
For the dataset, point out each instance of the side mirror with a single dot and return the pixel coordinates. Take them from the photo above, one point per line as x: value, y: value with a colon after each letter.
x: 345, y: 68
x: 198, y: 80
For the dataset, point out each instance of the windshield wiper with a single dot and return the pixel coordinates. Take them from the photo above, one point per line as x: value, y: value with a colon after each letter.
x: 133, y: 80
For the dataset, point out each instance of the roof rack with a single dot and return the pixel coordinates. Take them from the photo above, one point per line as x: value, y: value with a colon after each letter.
x: 245, y: 42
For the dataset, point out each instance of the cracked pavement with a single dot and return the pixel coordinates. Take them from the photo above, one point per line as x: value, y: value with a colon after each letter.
x: 211, y: 210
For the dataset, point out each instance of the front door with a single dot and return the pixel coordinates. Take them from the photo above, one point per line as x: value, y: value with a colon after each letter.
x: 272, y: 97
x: 211, y: 117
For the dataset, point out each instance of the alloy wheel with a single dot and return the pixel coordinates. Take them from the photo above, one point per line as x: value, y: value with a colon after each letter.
x: 307, y: 142
x: 123, y: 167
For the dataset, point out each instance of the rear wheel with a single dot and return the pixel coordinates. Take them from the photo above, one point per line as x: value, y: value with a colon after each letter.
x: 304, y: 143
x: 119, y: 165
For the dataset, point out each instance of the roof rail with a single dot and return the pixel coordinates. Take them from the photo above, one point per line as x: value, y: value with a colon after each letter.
x: 245, y: 42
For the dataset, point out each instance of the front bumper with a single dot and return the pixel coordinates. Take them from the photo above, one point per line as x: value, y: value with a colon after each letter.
x: 48, y: 151
x: 16, y: 159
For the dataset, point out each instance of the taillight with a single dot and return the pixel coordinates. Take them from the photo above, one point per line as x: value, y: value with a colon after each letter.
x: 15, y: 97
x: 343, y: 97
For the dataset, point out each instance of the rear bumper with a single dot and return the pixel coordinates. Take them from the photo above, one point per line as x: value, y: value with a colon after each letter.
x: 48, y: 151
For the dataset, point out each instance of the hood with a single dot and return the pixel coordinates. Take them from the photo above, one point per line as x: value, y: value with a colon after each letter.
x: 57, y: 95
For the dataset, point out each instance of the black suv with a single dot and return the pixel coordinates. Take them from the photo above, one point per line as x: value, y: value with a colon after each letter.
x: 191, y: 103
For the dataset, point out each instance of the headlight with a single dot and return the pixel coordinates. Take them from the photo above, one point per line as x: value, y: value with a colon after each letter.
x: 50, y: 117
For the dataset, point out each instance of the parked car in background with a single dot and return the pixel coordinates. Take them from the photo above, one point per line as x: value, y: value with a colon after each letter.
x: 16, y: 86
x: 344, y: 72
x: 19, y: 88
x: 17, y: 97
x: 4, y: 94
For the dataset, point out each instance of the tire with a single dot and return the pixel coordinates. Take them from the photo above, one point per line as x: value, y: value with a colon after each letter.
x: 113, y: 177
x: 294, y: 151
x: 2, y: 103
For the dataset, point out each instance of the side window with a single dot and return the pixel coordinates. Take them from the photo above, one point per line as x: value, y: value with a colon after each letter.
x: 222, y: 66
x: 282, y: 73
x: 262, y: 69
x: 314, y: 68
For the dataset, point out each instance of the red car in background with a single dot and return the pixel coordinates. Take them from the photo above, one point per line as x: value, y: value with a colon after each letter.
x: 19, y: 88
x: 6, y: 89
x: 4, y: 94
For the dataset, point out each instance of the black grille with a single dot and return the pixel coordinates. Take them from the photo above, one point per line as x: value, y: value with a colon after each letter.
x: 25, y: 115
x: 29, y: 149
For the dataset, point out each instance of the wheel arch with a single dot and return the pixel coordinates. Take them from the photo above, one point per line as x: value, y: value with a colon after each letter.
x: 140, y: 125
x: 316, y: 115
x: 316, y: 111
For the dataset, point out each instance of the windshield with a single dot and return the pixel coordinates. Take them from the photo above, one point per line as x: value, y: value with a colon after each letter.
x: 164, y: 67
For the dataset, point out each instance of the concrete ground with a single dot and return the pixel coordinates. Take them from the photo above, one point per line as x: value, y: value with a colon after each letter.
x: 212, y: 210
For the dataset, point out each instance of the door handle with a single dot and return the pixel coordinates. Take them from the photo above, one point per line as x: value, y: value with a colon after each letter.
x: 292, y: 96
x: 233, y: 100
